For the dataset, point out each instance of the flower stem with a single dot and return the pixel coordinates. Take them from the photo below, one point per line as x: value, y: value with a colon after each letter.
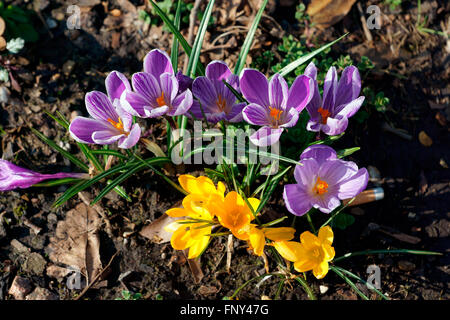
x: 307, y: 288
x: 311, y: 223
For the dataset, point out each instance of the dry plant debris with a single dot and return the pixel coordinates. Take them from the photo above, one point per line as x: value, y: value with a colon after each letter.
x: 76, y: 243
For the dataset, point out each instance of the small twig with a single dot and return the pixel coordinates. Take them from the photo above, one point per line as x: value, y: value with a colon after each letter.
x: 195, y: 266
x: 109, y: 162
x: 97, y: 277
x: 364, y: 23
x: 229, y: 252
x: 266, y: 262
x: 31, y: 225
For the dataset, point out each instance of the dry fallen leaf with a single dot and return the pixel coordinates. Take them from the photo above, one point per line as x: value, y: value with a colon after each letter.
x: 2, y: 26
x: 2, y: 43
x: 195, y: 266
x: 116, y: 13
x: 155, y: 230
x: 76, y: 242
x: 441, y: 119
x: 425, y: 139
x: 325, y: 13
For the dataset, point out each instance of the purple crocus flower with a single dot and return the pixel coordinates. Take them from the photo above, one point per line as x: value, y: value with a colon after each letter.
x: 156, y: 90
x: 214, y: 97
x: 272, y: 104
x: 322, y: 181
x: 110, y: 122
x: 12, y: 176
x: 341, y: 100
x: 184, y: 82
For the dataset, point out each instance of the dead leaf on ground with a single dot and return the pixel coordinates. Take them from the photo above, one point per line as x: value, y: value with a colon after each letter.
x: 207, y: 290
x: 325, y: 13
x: 195, y: 266
x: 2, y: 26
x: 155, y: 230
x: 425, y: 139
x: 76, y: 243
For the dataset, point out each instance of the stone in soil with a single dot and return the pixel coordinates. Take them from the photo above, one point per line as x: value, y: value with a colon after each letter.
x: 20, y: 288
x: 53, y: 271
x: 406, y: 265
x: 34, y: 264
x: 42, y: 294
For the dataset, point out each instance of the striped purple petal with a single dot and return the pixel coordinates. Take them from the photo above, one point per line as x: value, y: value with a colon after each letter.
x: 266, y: 136
x: 116, y: 83
x: 157, y: 62
x: 99, y: 106
x: 254, y: 87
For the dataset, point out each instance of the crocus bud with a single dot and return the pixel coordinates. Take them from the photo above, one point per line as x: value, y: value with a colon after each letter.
x: 13, y: 177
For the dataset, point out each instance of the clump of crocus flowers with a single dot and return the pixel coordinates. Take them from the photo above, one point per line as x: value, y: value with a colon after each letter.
x: 321, y: 179
x: 207, y: 208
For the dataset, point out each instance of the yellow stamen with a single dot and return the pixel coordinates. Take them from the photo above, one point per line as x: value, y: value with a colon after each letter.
x: 275, y: 113
x: 160, y: 101
x: 321, y: 187
x: 118, y: 125
x: 325, y: 114
x: 316, y: 252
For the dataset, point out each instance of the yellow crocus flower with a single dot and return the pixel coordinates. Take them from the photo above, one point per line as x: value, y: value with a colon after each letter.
x: 193, y: 236
x: 311, y: 253
x: 201, y: 191
x: 189, y: 234
x: 234, y: 214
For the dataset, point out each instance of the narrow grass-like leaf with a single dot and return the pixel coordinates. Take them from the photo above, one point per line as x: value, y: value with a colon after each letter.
x: 274, y: 222
x: 271, y: 188
x: 173, y: 184
x: 295, y: 64
x: 63, y: 152
x: 386, y: 251
x: 334, y: 215
x: 239, y: 96
x: 120, y: 191
x: 198, y: 42
x: 117, y: 181
x: 307, y: 289
x: 108, y: 152
x: 349, y: 282
x: 354, y: 276
x: 57, y: 182
x: 240, y: 63
x: 186, y: 47
x: 214, y: 173
x: 69, y: 193
x: 346, y: 152
x: 57, y: 119
x: 175, y: 43
x: 248, y: 151
x: 90, y: 156
x: 327, y: 140
x: 117, y: 169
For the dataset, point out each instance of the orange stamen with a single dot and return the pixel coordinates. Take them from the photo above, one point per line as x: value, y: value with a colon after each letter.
x: 221, y: 103
x: 160, y: 101
x: 325, y: 114
x: 118, y: 125
x: 275, y: 113
x: 321, y: 187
